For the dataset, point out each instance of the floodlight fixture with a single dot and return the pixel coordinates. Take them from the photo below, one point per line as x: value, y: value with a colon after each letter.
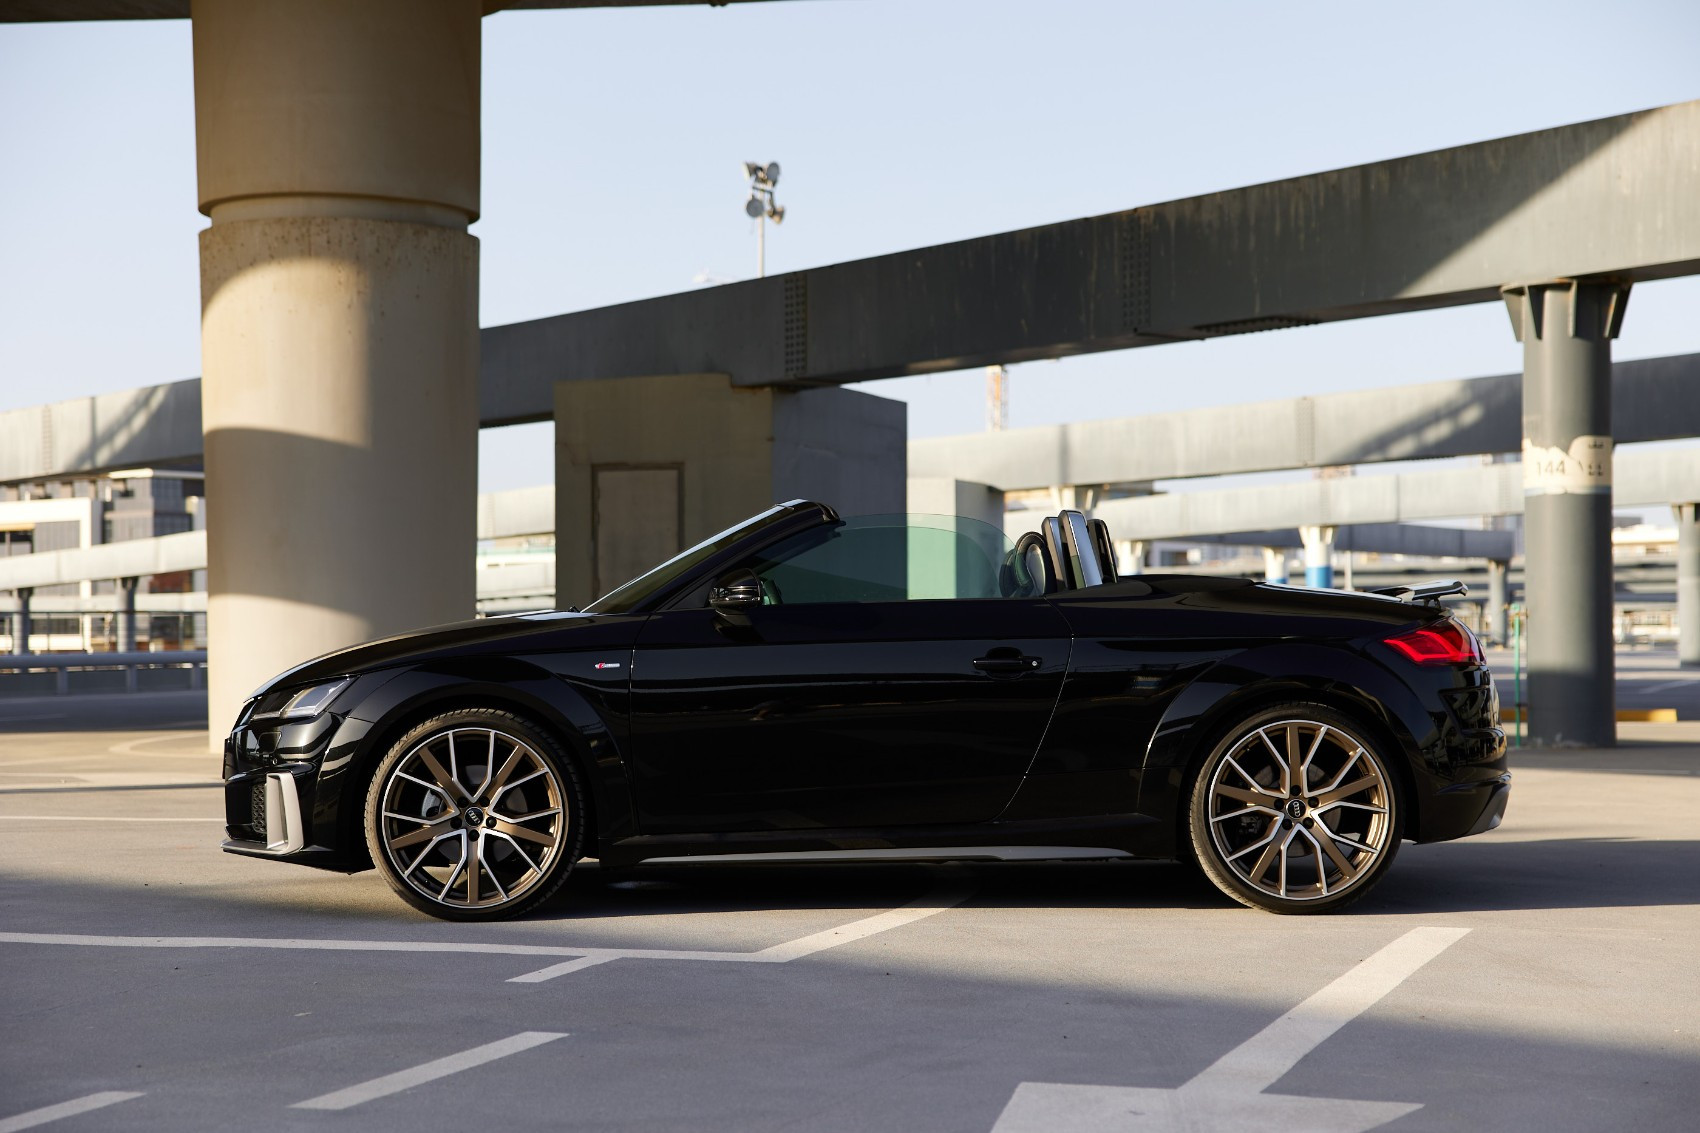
x: 761, y: 206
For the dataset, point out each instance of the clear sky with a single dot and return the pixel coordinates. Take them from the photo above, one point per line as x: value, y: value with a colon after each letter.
x: 612, y: 142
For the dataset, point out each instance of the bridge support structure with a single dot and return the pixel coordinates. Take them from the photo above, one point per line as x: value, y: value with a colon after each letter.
x: 339, y: 328
x: 1566, y: 328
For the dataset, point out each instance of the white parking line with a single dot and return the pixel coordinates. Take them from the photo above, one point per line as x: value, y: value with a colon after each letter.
x: 1229, y: 1095
x: 64, y: 1109
x: 1263, y: 1059
x: 430, y: 1071
x: 129, y: 747
x: 782, y: 953
x: 1668, y: 686
x: 100, y: 818
x: 554, y: 970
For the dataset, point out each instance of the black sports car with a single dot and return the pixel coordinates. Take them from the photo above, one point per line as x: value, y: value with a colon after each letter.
x: 883, y: 687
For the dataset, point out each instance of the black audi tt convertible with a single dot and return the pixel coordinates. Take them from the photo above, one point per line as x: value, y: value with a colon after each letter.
x: 809, y: 687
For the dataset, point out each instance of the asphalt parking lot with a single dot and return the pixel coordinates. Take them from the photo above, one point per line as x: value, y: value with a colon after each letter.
x: 1544, y: 976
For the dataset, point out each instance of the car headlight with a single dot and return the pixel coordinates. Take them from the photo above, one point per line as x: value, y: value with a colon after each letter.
x: 299, y: 703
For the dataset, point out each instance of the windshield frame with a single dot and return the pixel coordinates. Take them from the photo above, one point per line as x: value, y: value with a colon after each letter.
x: 654, y: 587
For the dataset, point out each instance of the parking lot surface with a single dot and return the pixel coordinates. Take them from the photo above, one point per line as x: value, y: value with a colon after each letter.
x: 1543, y: 976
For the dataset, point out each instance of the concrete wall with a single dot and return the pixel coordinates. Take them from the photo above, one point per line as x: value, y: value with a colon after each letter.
x: 731, y: 453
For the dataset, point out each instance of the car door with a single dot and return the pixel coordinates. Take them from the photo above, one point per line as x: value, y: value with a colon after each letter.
x: 856, y: 696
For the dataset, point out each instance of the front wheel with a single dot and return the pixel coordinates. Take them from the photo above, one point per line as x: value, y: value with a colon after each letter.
x: 474, y: 815
x: 1296, y: 811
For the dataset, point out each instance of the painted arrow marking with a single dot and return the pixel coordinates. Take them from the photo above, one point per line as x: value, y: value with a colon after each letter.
x: 1229, y: 1094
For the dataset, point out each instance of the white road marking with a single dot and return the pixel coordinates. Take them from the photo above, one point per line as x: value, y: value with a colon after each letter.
x: 932, y: 903
x: 789, y: 950
x: 129, y: 746
x: 1229, y: 1095
x: 64, y: 1109
x: 585, y: 957
x: 430, y: 1071
x: 100, y: 818
x: 1667, y: 686
x: 561, y: 969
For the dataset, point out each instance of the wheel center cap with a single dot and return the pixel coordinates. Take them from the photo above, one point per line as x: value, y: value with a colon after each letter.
x: 474, y: 816
x: 1295, y: 809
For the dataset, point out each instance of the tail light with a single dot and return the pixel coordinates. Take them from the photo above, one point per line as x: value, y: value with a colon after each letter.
x: 1444, y: 643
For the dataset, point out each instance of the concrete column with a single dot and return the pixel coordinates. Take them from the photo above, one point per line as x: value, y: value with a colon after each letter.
x: 126, y: 615
x: 21, y: 627
x: 1566, y: 328
x: 1275, y: 565
x: 1498, y: 571
x: 1133, y: 553
x: 1319, y: 555
x: 337, y: 149
x: 1688, y: 584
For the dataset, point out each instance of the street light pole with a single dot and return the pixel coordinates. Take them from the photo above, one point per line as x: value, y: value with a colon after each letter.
x: 761, y: 207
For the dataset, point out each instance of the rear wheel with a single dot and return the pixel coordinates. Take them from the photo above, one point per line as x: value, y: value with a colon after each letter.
x: 474, y: 815
x: 1296, y: 810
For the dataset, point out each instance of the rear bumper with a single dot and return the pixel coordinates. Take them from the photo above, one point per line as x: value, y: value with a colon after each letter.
x: 1461, y: 809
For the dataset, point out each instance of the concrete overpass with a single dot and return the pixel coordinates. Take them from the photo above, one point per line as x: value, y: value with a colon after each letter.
x: 340, y: 339
x: 1652, y: 399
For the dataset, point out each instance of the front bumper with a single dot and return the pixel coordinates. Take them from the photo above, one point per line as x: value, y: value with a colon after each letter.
x: 282, y: 788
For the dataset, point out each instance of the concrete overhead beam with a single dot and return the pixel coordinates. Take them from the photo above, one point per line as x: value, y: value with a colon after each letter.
x: 189, y: 602
x: 1432, y: 230
x: 523, y: 511
x: 49, y: 11
x: 1410, y: 539
x: 150, y: 427
x: 133, y: 558
x: 1652, y: 399
x: 1640, y: 479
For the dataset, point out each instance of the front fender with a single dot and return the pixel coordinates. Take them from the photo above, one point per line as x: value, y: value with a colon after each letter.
x: 586, y: 714
x: 1247, y: 682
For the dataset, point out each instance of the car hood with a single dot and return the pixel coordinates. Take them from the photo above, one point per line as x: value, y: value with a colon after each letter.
x: 507, y: 634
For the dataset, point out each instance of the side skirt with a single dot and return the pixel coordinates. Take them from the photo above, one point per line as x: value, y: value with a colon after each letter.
x: 1098, y: 837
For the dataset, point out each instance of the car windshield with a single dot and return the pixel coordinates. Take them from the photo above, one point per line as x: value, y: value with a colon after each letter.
x: 625, y: 598
x: 892, y: 558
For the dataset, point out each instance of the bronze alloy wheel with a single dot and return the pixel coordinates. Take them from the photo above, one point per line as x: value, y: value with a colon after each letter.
x: 1295, y: 811
x: 472, y: 816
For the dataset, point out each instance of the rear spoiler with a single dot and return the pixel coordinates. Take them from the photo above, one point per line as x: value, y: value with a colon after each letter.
x: 1430, y: 592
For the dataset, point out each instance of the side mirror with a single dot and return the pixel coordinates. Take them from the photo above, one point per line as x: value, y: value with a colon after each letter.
x: 734, y: 595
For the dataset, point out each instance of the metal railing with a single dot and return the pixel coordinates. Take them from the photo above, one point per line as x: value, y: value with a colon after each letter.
x: 64, y: 674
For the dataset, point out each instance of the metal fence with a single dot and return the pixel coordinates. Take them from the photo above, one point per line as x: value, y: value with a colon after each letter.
x: 61, y: 674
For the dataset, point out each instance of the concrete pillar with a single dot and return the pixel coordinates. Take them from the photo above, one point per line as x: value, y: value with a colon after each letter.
x: 1275, y: 565
x: 1688, y: 584
x: 1133, y: 553
x: 1319, y: 555
x: 1498, y: 571
x: 337, y: 150
x: 647, y: 466
x: 126, y: 615
x: 1566, y: 328
x: 21, y: 627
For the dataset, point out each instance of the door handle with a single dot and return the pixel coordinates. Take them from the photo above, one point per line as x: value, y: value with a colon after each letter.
x: 1006, y: 664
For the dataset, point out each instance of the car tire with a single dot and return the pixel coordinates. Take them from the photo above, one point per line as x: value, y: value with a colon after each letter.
x: 1296, y: 809
x: 475, y: 815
